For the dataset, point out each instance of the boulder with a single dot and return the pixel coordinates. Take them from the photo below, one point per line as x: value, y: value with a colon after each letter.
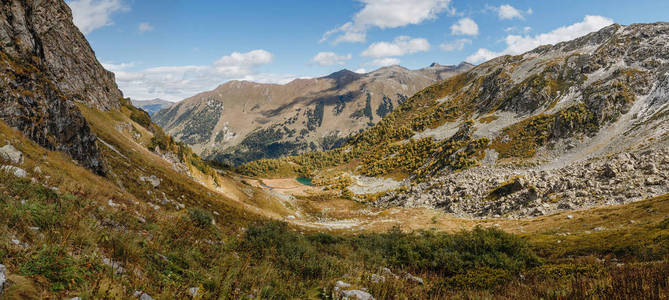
x: 153, y: 180
x: 414, y: 279
x: 194, y: 291
x: 3, y: 278
x: 356, y: 294
x: 609, y: 171
x: 11, y: 154
x: 16, y: 171
x: 378, y: 278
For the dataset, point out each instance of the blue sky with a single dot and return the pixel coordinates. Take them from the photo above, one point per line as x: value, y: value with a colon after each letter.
x: 173, y: 49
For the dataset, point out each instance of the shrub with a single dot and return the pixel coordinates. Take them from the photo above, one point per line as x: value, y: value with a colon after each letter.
x: 200, y: 217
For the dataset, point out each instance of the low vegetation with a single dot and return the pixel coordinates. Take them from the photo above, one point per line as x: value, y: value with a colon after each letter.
x: 105, y: 252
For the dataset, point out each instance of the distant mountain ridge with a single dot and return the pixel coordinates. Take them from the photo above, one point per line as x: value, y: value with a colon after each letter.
x: 152, y: 106
x: 242, y: 121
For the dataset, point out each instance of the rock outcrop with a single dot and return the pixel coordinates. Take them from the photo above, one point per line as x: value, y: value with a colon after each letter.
x: 46, y: 67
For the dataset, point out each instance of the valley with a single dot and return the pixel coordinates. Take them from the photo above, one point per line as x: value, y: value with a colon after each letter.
x: 542, y: 175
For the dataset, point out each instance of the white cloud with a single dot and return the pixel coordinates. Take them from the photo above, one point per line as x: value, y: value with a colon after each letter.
x: 387, y: 14
x: 331, y: 59
x: 383, y: 62
x: 242, y: 64
x: 465, y: 26
x: 402, y: 45
x: 90, y: 15
x: 145, y: 27
x: 508, y: 12
x: 455, y: 45
x: 517, y: 44
x: 361, y: 71
x: 117, y: 67
x: 179, y: 82
x: 482, y: 55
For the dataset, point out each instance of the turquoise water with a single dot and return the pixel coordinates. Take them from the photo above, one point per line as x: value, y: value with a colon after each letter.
x: 304, y: 180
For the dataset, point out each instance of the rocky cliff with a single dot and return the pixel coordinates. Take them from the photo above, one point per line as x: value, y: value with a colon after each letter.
x: 244, y: 121
x: 46, y: 66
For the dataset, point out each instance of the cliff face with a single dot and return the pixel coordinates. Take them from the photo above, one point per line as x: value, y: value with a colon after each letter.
x: 43, y: 30
x: 46, y: 65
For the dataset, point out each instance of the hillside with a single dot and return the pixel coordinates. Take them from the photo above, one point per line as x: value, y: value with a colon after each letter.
x: 243, y: 121
x: 98, y: 202
x: 573, y: 125
x: 152, y: 106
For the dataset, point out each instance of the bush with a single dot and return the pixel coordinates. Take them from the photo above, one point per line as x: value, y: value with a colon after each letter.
x: 200, y: 217
x: 55, y: 265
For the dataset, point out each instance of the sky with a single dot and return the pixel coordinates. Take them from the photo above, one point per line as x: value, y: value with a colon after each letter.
x: 174, y: 49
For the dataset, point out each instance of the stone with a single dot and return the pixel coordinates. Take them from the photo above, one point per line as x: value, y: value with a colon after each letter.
x: 153, y: 180
x: 3, y: 278
x: 342, y: 285
x: 609, y: 171
x: 378, y: 278
x: 145, y: 296
x: 8, y: 152
x: 653, y: 181
x: 194, y: 291
x: 16, y: 171
x: 357, y: 295
x: 414, y: 279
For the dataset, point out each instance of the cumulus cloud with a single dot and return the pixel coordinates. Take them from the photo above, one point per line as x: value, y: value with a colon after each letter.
x: 517, y: 44
x: 179, y: 82
x: 455, y: 45
x: 465, y: 26
x: 402, y: 45
x: 387, y: 14
x: 145, y: 27
x: 330, y: 59
x: 361, y: 71
x: 90, y: 15
x: 508, y: 12
x: 383, y: 62
x: 242, y: 64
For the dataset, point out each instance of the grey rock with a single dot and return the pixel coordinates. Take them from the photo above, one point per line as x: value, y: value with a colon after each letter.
x: 342, y: 285
x: 414, y: 279
x: 11, y: 154
x: 194, y: 291
x: 16, y: 171
x: 153, y: 180
x: 356, y: 294
x: 145, y: 296
x: 378, y: 278
x: 3, y: 278
x: 609, y: 171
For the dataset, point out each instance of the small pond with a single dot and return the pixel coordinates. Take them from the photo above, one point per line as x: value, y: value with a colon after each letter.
x: 304, y: 180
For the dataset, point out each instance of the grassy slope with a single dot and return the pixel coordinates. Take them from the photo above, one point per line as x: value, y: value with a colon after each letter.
x: 166, y: 251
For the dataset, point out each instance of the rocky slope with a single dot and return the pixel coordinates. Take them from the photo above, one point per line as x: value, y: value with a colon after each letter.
x: 575, y: 125
x: 152, y: 106
x: 244, y: 121
x: 46, y: 66
x: 522, y: 135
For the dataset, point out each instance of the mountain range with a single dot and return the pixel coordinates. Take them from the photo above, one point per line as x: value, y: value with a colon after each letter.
x: 152, y: 106
x: 243, y: 121
x: 537, y: 176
